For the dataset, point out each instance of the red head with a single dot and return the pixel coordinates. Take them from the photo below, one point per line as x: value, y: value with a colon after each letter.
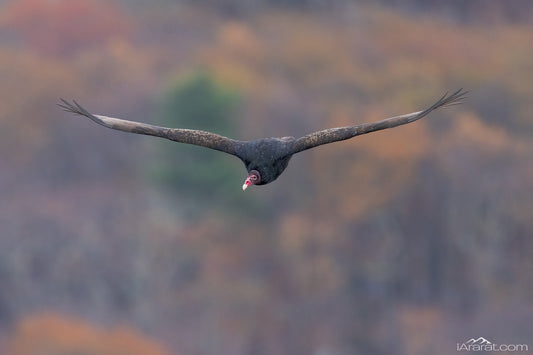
x: 253, y: 178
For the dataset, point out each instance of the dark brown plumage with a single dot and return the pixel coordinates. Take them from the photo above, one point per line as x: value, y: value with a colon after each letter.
x: 265, y: 159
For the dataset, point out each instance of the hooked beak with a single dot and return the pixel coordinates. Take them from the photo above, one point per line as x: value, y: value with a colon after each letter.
x: 247, y: 183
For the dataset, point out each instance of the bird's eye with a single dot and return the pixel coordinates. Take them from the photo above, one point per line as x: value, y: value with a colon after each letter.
x: 253, y: 177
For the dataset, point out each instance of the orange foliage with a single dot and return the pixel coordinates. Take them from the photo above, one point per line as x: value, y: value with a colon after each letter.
x: 381, y: 165
x: 237, y: 57
x: 28, y: 85
x: 63, y: 26
x: 470, y: 129
x: 419, y: 326
x: 301, y: 72
x: 305, y: 242
x: 50, y: 333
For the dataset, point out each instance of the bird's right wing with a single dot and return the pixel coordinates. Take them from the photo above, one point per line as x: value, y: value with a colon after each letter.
x: 189, y: 136
x: 341, y: 133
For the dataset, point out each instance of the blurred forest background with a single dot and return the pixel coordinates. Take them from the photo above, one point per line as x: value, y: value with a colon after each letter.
x: 406, y: 241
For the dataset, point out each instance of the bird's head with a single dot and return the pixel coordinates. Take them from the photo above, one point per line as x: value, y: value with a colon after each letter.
x: 253, y: 178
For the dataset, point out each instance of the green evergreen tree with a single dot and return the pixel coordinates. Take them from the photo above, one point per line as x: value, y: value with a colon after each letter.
x: 199, y: 102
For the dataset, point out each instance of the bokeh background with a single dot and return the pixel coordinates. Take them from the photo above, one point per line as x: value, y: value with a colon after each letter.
x: 406, y: 241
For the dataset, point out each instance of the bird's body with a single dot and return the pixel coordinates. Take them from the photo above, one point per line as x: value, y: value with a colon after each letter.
x: 268, y: 156
x: 265, y: 159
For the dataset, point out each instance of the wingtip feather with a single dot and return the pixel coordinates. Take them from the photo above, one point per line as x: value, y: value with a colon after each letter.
x: 73, y: 107
x: 453, y: 99
x: 65, y: 105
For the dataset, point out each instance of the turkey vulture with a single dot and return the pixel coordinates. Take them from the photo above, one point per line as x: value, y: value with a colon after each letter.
x: 265, y: 159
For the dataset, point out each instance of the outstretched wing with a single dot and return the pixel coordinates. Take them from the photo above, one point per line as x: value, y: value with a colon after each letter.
x: 338, y: 134
x: 189, y: 136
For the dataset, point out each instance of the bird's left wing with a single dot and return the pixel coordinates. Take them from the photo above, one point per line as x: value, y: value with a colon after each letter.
x: 189, y: 136
x: 341, y: 133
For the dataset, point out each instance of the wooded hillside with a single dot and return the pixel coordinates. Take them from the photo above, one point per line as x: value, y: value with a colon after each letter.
x: 406, y: 241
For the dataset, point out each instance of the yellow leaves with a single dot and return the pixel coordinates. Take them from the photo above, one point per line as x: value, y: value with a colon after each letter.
x: 484, y: 151
x: 117, y: 65
x: 402, y: 144
x: 239, y: 38
x: 362, y: 174
x: 294, y: 230
x: 298, y: 230
x: 310, y: 52
x: 469, y: 130
x: 237, y: 57
x: 418, y: 327
x: 258, y: 53
x: 63, y: 26
x: 355, y: 189
x: 305, y: 240
x: 50, y: 333
x: 29, y: 82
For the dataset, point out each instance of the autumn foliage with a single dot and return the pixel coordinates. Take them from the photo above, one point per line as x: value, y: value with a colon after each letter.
x: 404, y: 241
x: 64, y: 26
x: 49, y: 333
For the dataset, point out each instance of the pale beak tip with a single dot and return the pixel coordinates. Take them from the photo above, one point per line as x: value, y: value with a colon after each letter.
x: 244, y: 187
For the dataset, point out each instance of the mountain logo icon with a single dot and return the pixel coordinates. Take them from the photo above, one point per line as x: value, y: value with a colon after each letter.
x: 478, y: 341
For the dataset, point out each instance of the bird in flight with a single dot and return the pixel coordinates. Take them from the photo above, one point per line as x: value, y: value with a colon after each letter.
x: 265, y: 159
